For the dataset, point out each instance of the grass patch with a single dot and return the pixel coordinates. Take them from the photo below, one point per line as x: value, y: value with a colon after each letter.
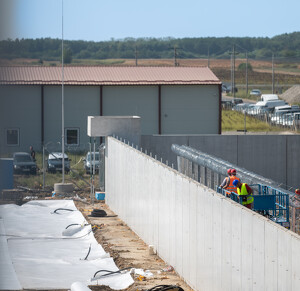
x: 234, y: 121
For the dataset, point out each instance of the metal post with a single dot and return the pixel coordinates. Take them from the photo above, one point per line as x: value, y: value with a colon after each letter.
x: 208, y: 56
x: 233, y: 72
x: 246, y: 73
x: 245, y: 122
x: 272, y: 73
x: 62, y: 94
x: 94, y: 162
x: 136, y: 62
x: 43, y: 166
x: 91, y: 184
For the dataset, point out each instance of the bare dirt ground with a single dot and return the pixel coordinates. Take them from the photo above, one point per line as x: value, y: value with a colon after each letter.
x: 128, y: 250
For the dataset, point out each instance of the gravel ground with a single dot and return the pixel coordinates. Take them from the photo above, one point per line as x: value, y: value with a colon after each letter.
x: 292, y: 95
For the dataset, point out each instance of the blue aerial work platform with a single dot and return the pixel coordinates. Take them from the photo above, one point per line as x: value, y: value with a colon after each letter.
x: 268, y: 201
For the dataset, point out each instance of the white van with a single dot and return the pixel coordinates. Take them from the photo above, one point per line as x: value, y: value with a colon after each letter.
x: 267, y: 97
x: 286, y: 109
x: 271, y: 103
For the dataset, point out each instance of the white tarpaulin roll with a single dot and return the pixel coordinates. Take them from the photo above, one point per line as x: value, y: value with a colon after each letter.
x: 42, y: 257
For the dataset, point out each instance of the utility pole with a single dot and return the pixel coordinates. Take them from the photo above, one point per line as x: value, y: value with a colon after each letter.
x: 136, y: 62
x: 208, y: 56
x: 273, y: 73
x: 233, y: 75
x: 175, y: 57
x: 233, y: 53
x: 246, y: 73
x: 62, y: 94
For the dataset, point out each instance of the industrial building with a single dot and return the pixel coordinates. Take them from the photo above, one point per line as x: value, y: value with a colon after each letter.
x: 169, y: 100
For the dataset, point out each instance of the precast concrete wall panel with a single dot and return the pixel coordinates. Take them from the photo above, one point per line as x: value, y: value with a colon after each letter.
x: 193, y: 234
x: 258, y: 255
x: 161, y: 146
x: 264, y: 156
x: 236, y: 246
x: 295, y: 264
x: 246, y: 250
x: 211, y: 241
x: 133, y: 100
x: 20, y: 108
x: 273, y: 156
x: 284, y: 261
x: 185, y: 230
x: 217, y: 243
x: 226, y: 258
x: 222, y: 146
x: 179, y: 225
x: 190, y: 109
x: 271, y: 261
x: 293, y: 160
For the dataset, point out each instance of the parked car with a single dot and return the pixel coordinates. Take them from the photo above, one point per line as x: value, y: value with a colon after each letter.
x: 89, y: 162
x: 55, y: 162
x: 229, y: 90
x: 224, y: 88
x: 268, y: 97
x: 237, y: 101
x: 24, y: 164
x: 255, y: 92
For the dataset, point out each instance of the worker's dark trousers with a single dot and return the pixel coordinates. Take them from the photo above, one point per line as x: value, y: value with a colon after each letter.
x: 250, y: 205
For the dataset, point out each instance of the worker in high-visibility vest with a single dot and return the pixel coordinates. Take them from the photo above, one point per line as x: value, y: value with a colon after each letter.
x: 226, y: 179
x: 245, y: 193
x: 230, y: 187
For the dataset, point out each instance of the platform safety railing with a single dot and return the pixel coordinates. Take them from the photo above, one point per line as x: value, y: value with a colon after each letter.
x: 268, y: 201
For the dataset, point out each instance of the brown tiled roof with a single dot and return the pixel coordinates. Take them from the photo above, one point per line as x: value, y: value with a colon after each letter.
x: 96, y: 75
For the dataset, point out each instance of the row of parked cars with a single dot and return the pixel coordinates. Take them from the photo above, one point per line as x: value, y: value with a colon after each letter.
x: 277, y: 111
x: 23, y: 163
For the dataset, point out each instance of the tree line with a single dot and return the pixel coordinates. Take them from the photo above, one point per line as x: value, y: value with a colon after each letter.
x: 285, y: 46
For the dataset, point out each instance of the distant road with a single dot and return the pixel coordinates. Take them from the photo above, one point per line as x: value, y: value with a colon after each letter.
x: 229, y: 98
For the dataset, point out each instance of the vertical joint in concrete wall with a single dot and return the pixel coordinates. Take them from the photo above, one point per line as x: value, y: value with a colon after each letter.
x: 205, y: 176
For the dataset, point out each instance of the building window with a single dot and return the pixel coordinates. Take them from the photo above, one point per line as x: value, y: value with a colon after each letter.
x: 12, y: 136
x: 72, y: 136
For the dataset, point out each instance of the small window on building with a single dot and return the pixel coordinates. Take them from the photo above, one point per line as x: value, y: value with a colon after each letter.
x: 72, y: 136
x: 12, y: 136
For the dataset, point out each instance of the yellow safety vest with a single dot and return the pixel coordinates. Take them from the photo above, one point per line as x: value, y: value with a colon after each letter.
x: 243, y: 192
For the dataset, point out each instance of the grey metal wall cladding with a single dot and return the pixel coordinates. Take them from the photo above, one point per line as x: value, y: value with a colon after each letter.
x: 6, y: 174
x: 276, y: 157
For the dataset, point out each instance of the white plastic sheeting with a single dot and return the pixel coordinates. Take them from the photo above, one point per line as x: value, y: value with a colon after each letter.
x: 42, y: 257
x: 211, y: 241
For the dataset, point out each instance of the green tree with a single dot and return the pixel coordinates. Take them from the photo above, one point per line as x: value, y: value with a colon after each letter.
x: 68, y: 56
x: 242, y: 67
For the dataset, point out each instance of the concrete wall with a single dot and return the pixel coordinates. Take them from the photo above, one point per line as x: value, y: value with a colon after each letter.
x: 211, y: 241
x: 125, y: 127
x: 273, y: 156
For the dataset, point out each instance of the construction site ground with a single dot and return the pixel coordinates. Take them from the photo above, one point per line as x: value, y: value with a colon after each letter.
x: 128, y: 250
x: 123, y: 245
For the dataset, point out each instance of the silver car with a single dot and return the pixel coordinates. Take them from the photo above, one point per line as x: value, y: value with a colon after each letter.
x: 90, y: 160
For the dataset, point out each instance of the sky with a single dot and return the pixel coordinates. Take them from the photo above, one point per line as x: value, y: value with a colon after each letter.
x: 99, y: 20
